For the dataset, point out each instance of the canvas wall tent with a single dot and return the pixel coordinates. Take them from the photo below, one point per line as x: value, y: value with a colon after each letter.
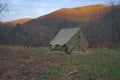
x: 68, y: 40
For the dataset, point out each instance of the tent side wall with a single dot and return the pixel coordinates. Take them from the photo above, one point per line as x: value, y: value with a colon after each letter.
x: 72, y: 44
x: 78, y: 42
x: 83, y: 41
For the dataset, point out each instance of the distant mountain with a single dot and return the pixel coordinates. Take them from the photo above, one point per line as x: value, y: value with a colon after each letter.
x: 95, y: 21
x: 86, y: 13
x: 72, y: 17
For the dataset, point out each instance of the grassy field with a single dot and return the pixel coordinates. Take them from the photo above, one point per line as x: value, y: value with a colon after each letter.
x: 18, y: 63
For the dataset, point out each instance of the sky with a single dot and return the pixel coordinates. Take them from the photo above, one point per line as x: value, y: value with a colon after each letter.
x: 19, y: 9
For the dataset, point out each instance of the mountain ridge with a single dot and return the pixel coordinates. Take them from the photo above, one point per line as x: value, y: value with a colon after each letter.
x: 95, y: 21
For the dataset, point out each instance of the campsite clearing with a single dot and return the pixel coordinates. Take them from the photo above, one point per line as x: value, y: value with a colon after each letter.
x: 18, y: 63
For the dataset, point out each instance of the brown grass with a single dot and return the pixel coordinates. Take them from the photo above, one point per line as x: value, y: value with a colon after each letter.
x: 27, y: 63
x: 18, y: 63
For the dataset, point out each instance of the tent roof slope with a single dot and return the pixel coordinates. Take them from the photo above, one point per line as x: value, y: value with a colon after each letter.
x: 64, y: 36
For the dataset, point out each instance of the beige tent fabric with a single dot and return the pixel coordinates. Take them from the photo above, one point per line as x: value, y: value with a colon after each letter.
x: 64, y: 36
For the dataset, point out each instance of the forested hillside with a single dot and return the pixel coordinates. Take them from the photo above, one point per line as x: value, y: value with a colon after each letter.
x: 99, y: 23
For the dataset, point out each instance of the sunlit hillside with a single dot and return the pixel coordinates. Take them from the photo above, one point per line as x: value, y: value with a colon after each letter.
x: 19, y: 21
x: 96, y: 22
x: 85, y: 13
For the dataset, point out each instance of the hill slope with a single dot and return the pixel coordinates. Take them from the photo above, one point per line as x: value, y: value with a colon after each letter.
x: 96, y: 22
x: 19, y: 21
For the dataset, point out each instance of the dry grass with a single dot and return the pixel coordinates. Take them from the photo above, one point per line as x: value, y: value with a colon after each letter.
x: 18, y: 63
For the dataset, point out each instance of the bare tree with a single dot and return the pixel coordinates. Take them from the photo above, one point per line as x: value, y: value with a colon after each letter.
x: 115, y: 11
x: 3, y: 7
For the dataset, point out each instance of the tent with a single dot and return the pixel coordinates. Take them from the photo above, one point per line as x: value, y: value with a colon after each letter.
x: 69, y: 39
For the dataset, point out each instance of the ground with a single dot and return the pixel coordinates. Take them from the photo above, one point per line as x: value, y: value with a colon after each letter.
x: 19, y: 63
